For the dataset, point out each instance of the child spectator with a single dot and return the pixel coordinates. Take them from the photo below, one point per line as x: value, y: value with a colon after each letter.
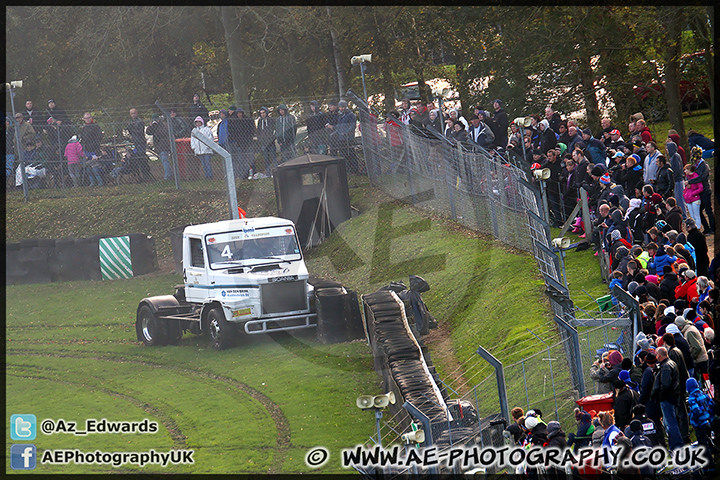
x: 617, y: 277
x: 701, y: 413
x: 74, y: 154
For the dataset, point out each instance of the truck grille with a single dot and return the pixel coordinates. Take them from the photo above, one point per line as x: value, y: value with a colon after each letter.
x: 283, y: 297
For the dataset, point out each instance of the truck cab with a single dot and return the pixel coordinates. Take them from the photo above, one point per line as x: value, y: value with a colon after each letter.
x: 253, y: 267
x: 238, y: 275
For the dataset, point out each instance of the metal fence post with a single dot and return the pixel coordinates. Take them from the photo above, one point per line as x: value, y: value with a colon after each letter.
x: 576, y: 362
x: 232, y: 192
x: 412, y: 409
x: 634, y: 310
x: 21, y: 156
x: 500, y: 377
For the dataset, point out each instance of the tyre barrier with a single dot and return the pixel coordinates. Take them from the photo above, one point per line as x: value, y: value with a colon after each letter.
x: 398, y: 355
x: 70, y: 259
x: 403, y: 361
x: 339, y: 319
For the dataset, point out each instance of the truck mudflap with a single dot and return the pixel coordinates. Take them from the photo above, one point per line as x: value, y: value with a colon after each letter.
x: 280, y: 324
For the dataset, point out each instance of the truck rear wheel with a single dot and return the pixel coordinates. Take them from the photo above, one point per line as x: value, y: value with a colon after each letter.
x: 151, y: 330
x: 218, y: 329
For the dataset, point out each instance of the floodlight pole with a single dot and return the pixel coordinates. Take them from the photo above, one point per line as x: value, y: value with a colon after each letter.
x: 545, y: 201
x: 378, y: 417
x: 18, y: 143
x: 362, y: 74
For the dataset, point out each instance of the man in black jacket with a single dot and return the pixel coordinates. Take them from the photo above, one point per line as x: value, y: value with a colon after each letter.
x: 501, y: 122
x: 197, y: 109
x: 317, y: 133
x: 161, y: 142
x: 664, y: 182
x: 553, y: 119
x: 553, y: 187
x: 266, y: 138
x: 241, y: 130
x: 33, y: 116
x: 136, y: 129
x: 666, y: 389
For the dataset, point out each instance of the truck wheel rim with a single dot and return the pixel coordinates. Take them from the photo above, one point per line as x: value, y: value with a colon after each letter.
x: 214, y: 328
x: 147, y: 329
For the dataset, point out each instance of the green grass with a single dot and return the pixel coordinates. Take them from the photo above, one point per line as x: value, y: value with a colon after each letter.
x: 72, y: 353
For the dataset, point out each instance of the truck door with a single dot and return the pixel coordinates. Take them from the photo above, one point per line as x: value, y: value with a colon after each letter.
x: 195, y: 274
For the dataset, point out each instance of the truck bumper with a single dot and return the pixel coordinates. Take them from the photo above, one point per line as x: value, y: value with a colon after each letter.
x: 280, y: 324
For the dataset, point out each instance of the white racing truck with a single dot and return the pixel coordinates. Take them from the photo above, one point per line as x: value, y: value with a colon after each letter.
x: 239, y: 275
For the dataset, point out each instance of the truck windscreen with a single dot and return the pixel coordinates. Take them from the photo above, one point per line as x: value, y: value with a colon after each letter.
x: 247, y: 246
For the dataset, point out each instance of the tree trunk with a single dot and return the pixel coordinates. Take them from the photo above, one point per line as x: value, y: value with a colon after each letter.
x: 231, y: 25
x: 336, y: 55
x: 587, y: 80
x: 462, y: 81
x: 673, y: 22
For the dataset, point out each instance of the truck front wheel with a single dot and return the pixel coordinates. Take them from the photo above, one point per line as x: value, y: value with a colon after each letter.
x: 151, y: 330
x: 218, y: 329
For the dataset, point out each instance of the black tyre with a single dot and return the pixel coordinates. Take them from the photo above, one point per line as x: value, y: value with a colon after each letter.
x: 218, y: 329
x: 174, y: 331
x: 150, y: 330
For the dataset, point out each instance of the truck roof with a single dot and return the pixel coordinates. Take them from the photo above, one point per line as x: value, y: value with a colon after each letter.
x: 230, y: 225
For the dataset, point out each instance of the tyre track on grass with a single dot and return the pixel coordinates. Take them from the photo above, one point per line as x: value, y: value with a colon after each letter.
x: 282, y: 426
x: 178, y: 438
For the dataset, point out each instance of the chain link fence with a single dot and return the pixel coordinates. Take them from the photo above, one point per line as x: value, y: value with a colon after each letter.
x: 150, y: 152
x: 494, y: 193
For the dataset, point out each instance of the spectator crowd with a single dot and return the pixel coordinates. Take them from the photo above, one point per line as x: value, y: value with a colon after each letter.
x: 52, y: 141
x: 646, y: 207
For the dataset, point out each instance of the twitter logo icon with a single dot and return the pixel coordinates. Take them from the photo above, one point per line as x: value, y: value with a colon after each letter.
x: 23, y: 427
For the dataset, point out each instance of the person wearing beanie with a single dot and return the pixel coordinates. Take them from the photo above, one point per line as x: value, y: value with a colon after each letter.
x: 667, y: 286
x: 644, y: 425
x: 556, y: 436
x: 625, y: 399
x: 696, y: 345
x: 583, y: 436
x: 687, y: 290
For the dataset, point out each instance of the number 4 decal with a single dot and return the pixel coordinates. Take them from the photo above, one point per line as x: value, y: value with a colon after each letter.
x: 226, y: 252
